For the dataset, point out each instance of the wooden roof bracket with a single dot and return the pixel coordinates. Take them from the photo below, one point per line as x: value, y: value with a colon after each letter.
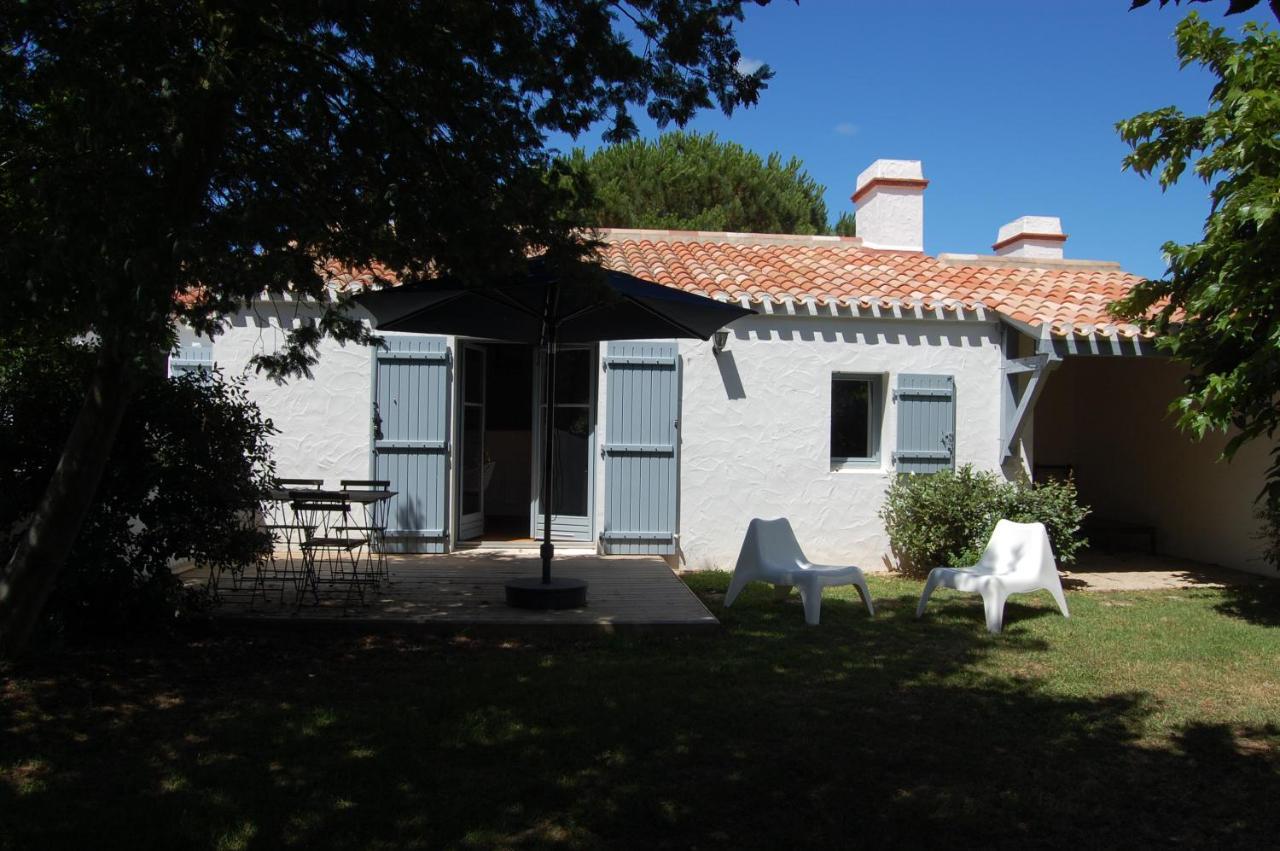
x: 1020, y: 396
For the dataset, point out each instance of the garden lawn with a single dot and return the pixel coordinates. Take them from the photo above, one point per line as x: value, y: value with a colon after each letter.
x: 1148, y: 718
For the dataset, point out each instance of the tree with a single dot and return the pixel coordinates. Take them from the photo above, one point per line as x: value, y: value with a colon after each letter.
x: 695, y: 181
x: 1234, y: 7
x: 847, y: 224
x: 165, y: 160
x: 1218, y: 309
x: 190, y: 466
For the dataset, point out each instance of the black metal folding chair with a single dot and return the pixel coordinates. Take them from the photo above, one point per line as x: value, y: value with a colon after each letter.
x: 284, y: 564
x: 330, y: 553
x: 374, y: 525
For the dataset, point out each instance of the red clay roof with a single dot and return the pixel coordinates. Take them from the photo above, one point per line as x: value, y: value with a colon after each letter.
x: 346, y: 278
x: 1069, y: 298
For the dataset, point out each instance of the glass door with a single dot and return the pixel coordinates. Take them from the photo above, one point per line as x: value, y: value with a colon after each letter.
x: 471, y: 477
x: 574, y: 437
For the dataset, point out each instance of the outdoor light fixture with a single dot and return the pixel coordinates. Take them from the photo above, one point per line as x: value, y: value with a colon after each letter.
x: 720, y: 339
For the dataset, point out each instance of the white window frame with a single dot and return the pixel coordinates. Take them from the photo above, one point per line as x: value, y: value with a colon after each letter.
x: 875, y: 421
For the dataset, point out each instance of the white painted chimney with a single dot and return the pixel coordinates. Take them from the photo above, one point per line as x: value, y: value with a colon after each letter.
x: 889, y: 205
x: 1031, y: 236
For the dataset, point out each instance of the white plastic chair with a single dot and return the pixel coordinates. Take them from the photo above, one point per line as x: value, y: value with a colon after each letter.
x: 771, y: 553
x: 1018, y: 559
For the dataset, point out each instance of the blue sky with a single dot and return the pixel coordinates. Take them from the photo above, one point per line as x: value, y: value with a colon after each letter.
x: 1011, y: 105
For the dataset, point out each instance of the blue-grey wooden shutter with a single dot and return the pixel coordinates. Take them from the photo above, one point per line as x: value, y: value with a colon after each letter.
x: 191, y: 358
x: 411, y: 440
x: 640, y: 449
x: 926, y: 423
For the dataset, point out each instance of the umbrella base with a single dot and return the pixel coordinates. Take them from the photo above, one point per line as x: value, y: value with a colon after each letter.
x: 559, y: 593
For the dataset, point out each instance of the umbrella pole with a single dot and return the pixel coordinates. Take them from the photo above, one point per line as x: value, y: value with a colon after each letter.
x: 561, y: 593
x: 548, y: 549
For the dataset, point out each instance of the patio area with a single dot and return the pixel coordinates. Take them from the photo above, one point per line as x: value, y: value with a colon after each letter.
x: 464, y: 590
x: 1109, y: 570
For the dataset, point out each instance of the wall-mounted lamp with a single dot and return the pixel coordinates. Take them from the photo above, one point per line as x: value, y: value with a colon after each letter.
x: 719, y: 340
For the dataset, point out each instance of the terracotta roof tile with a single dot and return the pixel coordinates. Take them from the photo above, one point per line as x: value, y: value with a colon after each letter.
x: 788, y: 269
x: 1061, y: 298
x: 345, y: 278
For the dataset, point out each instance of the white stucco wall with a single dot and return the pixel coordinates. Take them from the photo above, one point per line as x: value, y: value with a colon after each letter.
x: 755, y: 432
x: 324, y: 420
x: 755, y: 428
x: 1107, y: 418
x: 755, y: 421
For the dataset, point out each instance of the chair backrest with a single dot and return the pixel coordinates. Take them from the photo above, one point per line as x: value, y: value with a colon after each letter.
x: 365, y: 484
x: 300, y: 484
x: 1018, y: 549
x: 773, y: 543
x: 320, y: 509
x: 323, y: 504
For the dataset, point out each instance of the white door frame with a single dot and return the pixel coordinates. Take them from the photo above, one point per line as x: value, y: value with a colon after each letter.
x: 470, y: 525
x: 584, y: 529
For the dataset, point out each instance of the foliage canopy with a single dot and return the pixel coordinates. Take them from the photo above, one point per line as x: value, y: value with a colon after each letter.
x: 696, y: 181
x: 189, y: 469
x: 1218, y: 309
x: 220, y: 148
x: 1234, y: 7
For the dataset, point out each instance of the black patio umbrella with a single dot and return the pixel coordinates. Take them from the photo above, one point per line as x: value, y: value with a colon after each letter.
x: 543, y: 308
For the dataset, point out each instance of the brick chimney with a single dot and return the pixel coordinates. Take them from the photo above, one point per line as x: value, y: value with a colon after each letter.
x: 889, y: 205
x: 1031, y: 236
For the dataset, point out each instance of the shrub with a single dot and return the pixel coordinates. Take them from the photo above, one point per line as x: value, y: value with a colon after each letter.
x: 188, y: 470
x: 947, y: 518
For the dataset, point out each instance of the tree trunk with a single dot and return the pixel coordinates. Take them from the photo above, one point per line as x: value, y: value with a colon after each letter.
x: 32, y: 571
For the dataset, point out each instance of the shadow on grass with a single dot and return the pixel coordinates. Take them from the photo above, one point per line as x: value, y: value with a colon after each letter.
x: 862, y: 732
x: 1255, y: 602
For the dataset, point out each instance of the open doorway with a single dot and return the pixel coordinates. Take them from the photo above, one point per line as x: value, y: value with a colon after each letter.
x: 496, y: 441
x: 498, y: 478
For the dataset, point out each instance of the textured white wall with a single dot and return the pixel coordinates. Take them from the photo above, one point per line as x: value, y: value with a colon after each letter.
x: 755, y: 422
x: 755, y: 428
x: 324, y: 421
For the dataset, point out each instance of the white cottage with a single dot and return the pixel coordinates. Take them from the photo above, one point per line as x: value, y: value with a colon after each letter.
x: 868, y: 357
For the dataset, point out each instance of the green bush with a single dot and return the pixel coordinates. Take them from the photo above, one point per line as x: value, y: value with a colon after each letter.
x: 947, y: 518
x: 187, y: 473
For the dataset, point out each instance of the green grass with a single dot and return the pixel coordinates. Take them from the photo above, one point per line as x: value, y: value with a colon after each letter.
x: 1146, y: 719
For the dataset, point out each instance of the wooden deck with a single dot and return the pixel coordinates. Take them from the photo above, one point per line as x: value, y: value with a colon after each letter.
x: 464, y: 591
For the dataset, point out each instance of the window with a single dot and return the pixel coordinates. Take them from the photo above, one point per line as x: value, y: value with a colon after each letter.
x: 855, y: 420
